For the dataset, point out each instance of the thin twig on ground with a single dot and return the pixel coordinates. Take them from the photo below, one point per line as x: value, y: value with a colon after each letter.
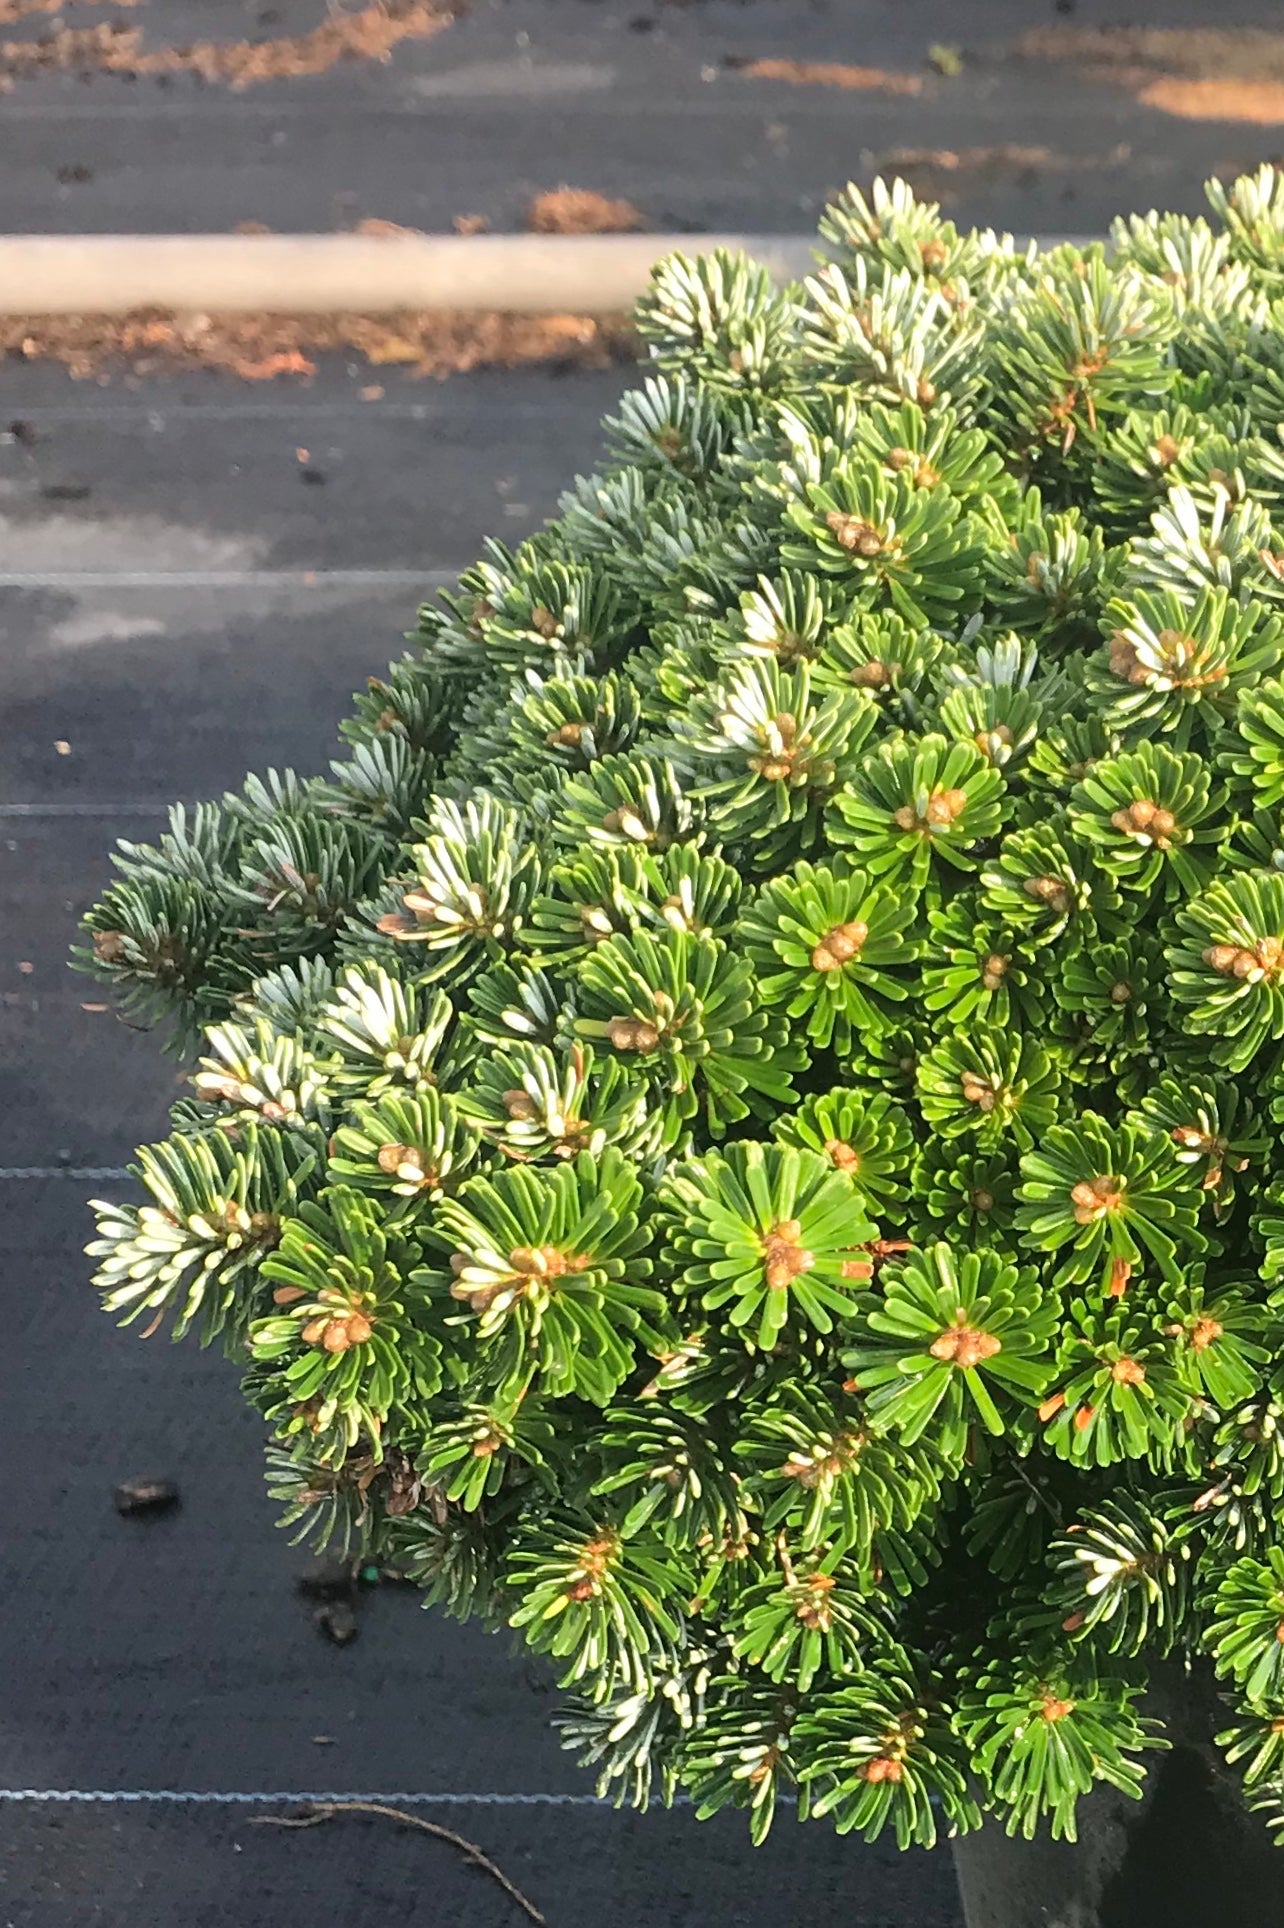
x: 329, y: 1810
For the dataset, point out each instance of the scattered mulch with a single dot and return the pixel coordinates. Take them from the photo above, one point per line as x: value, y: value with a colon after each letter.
x: 369, y: 34
x: 829, y: 73
x: 559, y: 210
x: 1259, y: 102
x: 1202, y: 73
x: 1196, y: 53
x: 578, y: 210
x: 11, y: 11
x: 1007, y: 159
x: 943, y: 171
x: 372, y: 225
x: 106, y: 48
x: 258, y: 348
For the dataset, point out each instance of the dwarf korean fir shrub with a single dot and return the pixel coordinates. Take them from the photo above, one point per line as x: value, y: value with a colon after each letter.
x: 736, y: 1128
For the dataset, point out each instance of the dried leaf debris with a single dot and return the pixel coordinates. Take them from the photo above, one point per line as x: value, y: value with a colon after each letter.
x: 578, y: 210
x: 1202, y: 73
x: 109, y: 47
x: 260, y: 348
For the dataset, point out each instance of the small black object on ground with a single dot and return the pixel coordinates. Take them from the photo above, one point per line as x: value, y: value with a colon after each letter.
x: 327, y: 1579
x: 337, y: 1622
x: 136, y: 1498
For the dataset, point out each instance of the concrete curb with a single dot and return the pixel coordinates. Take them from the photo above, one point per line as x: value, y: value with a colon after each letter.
x: 515, y: 274
x: 529, y: 274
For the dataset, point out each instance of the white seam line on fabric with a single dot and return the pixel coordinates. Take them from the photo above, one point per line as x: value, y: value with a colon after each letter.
x: 94, y: 1174
x: 751, y: 106
x: 16, y: 810
x: 164, y: 413
x: 190, y: 1797
x: 226, y: 578
x: 108, y: 1797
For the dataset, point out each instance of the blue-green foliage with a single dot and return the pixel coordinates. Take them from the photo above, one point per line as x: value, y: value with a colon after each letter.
x: 736, y: 1123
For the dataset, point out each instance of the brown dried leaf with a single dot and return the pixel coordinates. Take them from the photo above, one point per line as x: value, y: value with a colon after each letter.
x: 286, y: 362
x: 1258, y: 103
x: 578, y: 210
x: 831, y: 73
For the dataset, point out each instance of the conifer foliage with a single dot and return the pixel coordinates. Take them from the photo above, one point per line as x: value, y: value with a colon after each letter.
x: 735, y: 1126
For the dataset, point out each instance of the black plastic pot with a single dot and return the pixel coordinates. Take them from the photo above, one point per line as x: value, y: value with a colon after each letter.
x: 1188, y: 1855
